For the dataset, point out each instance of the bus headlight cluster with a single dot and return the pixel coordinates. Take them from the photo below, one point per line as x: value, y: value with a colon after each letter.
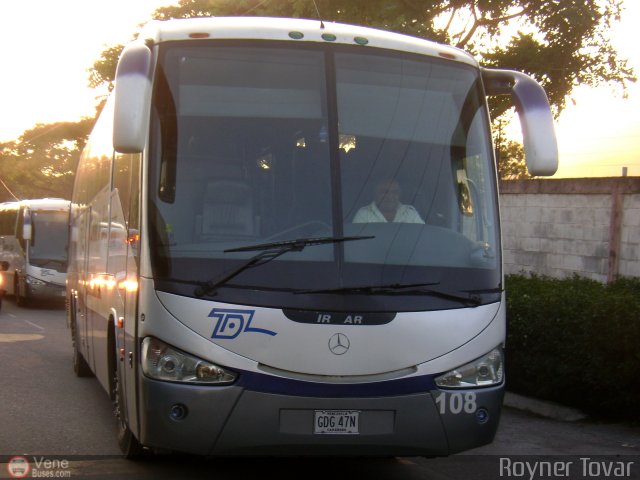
x: 483, y: 372
x: 164, y: 362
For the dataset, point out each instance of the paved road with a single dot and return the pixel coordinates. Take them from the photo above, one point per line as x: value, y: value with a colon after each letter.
x: 64, y: 427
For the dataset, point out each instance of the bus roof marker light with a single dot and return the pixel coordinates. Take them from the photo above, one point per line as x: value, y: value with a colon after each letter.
x: 296, y: 35
x: 361, y: 40
x: 449, y: 56
x: 329, y: 37
x: 199, y: 35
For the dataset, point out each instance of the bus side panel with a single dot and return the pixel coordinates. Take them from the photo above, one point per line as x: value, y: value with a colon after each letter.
x: 90, y: 235
x: 116, y: 267
x: 122, y: 265
x: 98, y: 293
x: 81, y: 225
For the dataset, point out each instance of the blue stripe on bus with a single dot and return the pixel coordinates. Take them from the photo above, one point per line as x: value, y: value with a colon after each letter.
x: 260, y: 382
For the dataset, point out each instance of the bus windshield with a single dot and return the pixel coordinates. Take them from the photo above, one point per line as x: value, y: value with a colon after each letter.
x: 49, y: 242
x: 256, y: 144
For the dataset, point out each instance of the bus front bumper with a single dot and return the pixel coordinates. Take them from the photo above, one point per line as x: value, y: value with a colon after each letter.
x: 40, y: 290
x: 233, y: 420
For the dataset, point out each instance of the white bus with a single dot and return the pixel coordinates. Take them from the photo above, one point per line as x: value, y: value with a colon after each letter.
x: 34, y: 238
x: 235, y: 284
x: 8, y: 243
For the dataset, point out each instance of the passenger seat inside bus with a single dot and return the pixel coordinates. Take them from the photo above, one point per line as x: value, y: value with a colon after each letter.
x: 227, y: 210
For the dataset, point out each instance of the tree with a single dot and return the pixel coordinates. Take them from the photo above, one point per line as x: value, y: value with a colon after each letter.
x: 103, y: 71
x: 511, y: 162
x: 510, y: 156
x: 561, y: 43
x: 42, y: 162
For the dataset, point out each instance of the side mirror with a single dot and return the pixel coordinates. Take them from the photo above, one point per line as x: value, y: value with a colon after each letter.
x: 532, y: 105
x: 132, y: 98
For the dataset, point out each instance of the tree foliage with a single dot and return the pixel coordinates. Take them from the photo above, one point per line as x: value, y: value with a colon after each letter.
x: 510, y: 156
x: 103, y: 71
x: 574, y: 341
x: 511, y: 161
x: 562, y: 43
x: 42, y: 162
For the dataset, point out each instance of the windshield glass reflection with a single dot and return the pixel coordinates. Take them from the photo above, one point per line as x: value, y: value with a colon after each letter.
x: 245, y: 151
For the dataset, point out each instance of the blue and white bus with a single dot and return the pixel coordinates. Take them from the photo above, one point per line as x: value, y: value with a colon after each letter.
x: 240, y: 282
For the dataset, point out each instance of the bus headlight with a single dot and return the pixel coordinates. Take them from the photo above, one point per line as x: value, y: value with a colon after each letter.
x: 485, y: 371
x: 164, y: 362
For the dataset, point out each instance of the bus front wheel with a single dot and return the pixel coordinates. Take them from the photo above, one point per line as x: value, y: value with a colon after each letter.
x: 129, y: 445
x: 80, y: 365
x: 21, y: 301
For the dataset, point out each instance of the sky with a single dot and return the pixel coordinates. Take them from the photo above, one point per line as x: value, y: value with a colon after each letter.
x: 46, y: 57
x: 600, y: 134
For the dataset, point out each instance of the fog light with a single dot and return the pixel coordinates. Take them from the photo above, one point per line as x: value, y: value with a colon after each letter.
x: 178, y: 412
x: 482, y: 415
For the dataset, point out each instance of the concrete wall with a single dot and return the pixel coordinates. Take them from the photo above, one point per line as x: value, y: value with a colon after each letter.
x: 558, y: 227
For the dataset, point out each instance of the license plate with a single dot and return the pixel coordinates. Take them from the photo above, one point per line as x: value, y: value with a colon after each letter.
x: 336, y: 422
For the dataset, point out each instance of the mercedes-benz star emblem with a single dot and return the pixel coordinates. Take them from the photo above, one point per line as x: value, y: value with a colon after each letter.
x: 339, y: 344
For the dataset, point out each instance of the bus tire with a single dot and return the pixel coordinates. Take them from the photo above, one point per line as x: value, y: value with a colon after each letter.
x: 129, y: 445
x: 21, y: 301
x: 80, y: 365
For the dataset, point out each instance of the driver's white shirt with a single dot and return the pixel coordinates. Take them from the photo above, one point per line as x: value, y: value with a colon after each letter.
x: 371, y: 214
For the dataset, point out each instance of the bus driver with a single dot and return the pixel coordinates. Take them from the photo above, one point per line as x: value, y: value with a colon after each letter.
x: 386, y: 207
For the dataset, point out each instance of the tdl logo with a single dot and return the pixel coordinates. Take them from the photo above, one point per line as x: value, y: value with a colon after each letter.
x: 229, y: 323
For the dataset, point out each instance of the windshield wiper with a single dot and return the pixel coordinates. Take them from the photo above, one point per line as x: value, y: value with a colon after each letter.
x: 403, y: 289
x: 268, y: 252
